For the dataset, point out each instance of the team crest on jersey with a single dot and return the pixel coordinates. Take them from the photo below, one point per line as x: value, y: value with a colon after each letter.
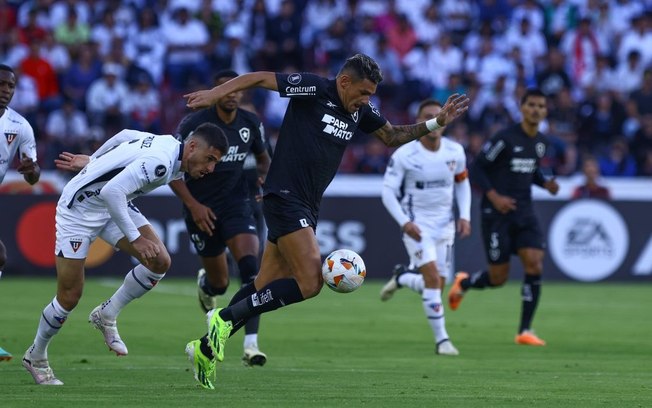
x: 75, y: 244
x: 451, y: 165
x: 10, y: 137
x: 294, y: 79
x: 160, y: 170
x: 540, y: 149
x: 354, y: 115
x: 244, y: 134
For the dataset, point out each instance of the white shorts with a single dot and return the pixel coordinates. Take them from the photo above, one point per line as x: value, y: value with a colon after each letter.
x: 439, y: 251
x: 78, y: 227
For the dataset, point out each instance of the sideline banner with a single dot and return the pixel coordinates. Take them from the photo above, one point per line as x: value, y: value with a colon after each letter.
x: 588, y: 240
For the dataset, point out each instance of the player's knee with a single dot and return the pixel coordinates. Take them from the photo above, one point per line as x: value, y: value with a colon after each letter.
x: 498, y: 278
x: 533, y: 266
x: 161, y: 263
x: 68, y: 298
x: 248, y: 267
x: 311, y: 287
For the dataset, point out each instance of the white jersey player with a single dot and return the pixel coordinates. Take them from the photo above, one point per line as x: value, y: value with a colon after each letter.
x: 422, y: 180
x: 97, y: 203
x: 17, y: 138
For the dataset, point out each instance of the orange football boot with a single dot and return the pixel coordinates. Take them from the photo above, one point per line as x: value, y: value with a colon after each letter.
x: 528, y: 338
x: 456, y: 293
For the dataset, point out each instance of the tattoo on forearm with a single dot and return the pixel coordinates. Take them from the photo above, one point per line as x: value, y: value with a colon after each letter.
x: 401, y: 134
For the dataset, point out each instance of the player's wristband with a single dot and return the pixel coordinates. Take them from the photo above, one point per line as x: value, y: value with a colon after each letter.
x: 433, y: 125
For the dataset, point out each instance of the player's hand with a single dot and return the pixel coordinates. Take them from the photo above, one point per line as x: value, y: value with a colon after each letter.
x: 552, y: 186
x: 147, y: 250
x: 455, y: 106
x: 503, y: 204
x: 204, y: 218
x: 412, y: 230
x: 201, y: 99
x: 27, y: 166
x: 259, y: 182
x: 463, y: 228
x: 71, y: 162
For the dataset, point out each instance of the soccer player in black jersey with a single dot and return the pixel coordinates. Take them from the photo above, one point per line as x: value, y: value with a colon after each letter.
x: 319, y: 123
x: 218, y: 209
x: 505, y: 171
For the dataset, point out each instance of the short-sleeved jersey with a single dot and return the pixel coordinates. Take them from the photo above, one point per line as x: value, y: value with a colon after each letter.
x: 425, y: 183
x: 245, y: 134
x: 150, y: 161
x: 509, y: 163
x: 315, y: 131
x: 17, y: 138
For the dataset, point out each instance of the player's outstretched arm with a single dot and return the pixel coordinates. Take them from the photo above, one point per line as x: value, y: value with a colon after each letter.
x: 206, y: 98
x: 396, y: 135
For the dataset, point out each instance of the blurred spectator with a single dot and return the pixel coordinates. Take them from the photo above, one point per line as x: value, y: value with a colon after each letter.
x: 638, y: 38
x: 617, y: 161
x: 25, y: 100
x: 46, y: 79
x: 233, y: 53
x: 495, y: 105
x: 601, y: 78
x: 622, y: 13
x: 105, y: 32
x: 31, y: 31
x: 104, y: 99
x: 642, y: 97
x: 83, y: 71
x: 428, y: 25
x: 142, y: 106
x: 389, y: 59
x: 366, y: 38
x: 628, y: 76
x: 72, y: 33
x: 591, y: 187
x: 15, y: 50
x: 488, y: 65
x: 8, y: 23
x: 144, y: 46
x: 319, y: 16
x: 530, y: 42
x: 582, y: 47
x: 67, y: 130
x: 56, y: 54
x: 42, y: 9
x: 401, y: 36
x: 531, y: 11
x: 560, y: 158
x: 456, y: 16
x: 601, y: 120
x: 642, y: 143
x: 454, y: 85
x: 59, y: 11
x: 186, y: 39
x: 444, y: 59
x: 255, y: 24
x: 334, y: 46
x: 553, y: 78
x: 560, y: 16
x: 283, y: 38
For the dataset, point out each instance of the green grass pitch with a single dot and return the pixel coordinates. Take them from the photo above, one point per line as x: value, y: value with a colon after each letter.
x: 343, y: 350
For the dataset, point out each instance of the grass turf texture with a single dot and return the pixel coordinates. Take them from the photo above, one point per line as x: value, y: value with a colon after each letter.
x: 343, y: 350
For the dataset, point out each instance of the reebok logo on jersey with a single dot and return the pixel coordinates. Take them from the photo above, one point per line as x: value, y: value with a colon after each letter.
x: 330, y: 104
x: 518, y: 149
x: 336, y: 127
x: 11, y: 136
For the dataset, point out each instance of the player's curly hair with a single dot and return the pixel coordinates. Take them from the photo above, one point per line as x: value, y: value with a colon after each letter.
x: 361, y: 66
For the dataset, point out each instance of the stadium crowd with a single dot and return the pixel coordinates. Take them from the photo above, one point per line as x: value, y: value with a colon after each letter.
x: 87, y: 69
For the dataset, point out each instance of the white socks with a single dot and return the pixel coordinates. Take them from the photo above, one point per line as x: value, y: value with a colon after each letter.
x: 52, y: 318
x: 250, y: 340
x: 138, y: 281
x: 412, y: 280
x: 434, y: 309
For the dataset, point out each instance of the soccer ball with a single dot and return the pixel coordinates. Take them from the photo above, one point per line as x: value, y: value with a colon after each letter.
x: 343, y: 271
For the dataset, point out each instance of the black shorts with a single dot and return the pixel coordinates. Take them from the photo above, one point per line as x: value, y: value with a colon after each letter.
x: 285, y: 216
x: 232, y: 219
x: 504, y: 235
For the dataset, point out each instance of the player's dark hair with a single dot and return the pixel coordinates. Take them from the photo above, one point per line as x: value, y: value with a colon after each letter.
x: 213, y: 135
x: 361, y: 67
x: 532, y: 92
x: 225, y: 73
x: 427, y: 102
x: 4, y: 67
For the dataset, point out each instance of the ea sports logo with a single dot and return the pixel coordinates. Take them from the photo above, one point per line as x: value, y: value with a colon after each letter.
x: 588, y: 240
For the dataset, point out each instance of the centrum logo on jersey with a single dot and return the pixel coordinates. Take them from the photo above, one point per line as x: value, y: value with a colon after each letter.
x: 336, y: 127
x: 300, y: 90
x: 588, y: 240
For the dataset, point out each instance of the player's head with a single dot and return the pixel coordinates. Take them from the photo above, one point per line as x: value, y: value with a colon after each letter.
x: 357, y: 81
x: 203, y: 149
x: 429, y: 109
x: 533, y: 106
x: 230, y: 102
x: 7, y: 85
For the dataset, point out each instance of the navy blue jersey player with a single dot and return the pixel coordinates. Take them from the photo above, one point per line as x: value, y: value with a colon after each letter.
x: 320, y: 121
x: 505, y: 171
x: 219, y: 208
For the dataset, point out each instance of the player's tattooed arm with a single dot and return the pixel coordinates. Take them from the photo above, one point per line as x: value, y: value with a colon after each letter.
x: 396, y: 135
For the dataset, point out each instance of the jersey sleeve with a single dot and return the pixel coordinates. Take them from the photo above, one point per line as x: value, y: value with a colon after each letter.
x: 115, y: 141
x: 138, y: 174
x: 27, y: 142
x: 372, y: 119
x: 392, y: 182
x: 302, y: 85
x: 258, y: 144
